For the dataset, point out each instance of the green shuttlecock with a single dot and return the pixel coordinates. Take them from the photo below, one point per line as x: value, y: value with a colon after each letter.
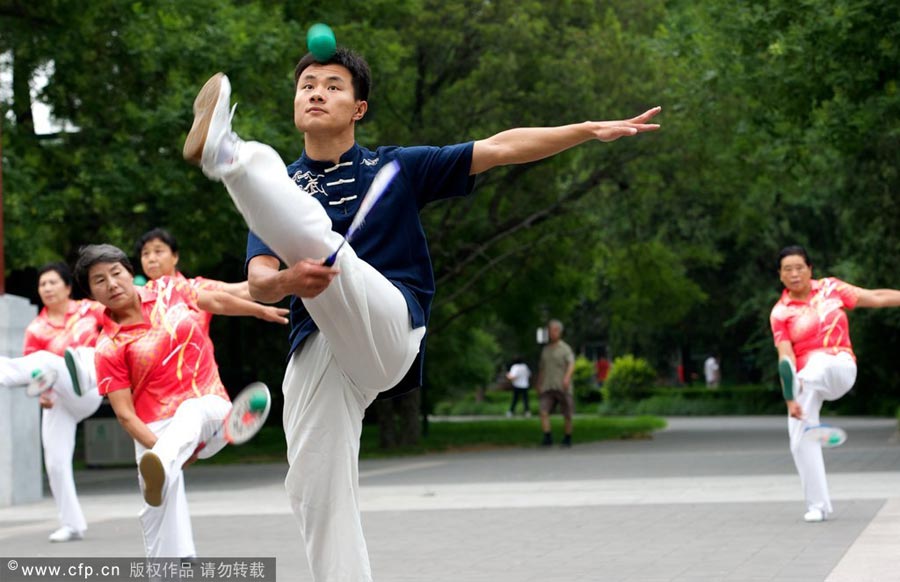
x: 259, y: 401
x: 140, y: 280
x: 321, y: 42
x: 36, y: 372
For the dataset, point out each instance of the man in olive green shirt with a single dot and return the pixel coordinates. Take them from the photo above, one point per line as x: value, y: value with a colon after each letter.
x: 554, y: 382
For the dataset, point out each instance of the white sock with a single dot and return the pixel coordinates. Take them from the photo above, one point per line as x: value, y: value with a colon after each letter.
x: 227, y: 149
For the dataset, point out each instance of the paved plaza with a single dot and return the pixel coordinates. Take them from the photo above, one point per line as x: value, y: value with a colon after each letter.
x: 706, y: 500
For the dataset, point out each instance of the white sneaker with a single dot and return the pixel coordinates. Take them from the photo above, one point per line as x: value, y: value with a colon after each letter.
x: 154, y: 476
x: 80, y: 364
x: 814, y: 515
x: 826, y: 435
x: 65, y: 534
x: 212, y: 125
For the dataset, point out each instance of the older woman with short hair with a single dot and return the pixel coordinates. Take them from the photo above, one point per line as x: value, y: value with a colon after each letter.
x: 63, y: 323
x: 816, y: 359
x: 156, y: 365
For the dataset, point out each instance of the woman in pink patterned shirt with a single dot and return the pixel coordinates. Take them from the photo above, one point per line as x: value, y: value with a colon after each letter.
x: 158, y: 251
x: 816, y: 359
x: 156, y: 365
x: 62, y: 323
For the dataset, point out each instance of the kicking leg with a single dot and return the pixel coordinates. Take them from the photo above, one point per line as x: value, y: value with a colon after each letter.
x: 166, y: 529
x: 196, y: 421
x: 17, y: 371
x: 165, y: 518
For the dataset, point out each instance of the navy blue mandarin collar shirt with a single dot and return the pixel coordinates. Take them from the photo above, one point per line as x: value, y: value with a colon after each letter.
x: 392, y: 240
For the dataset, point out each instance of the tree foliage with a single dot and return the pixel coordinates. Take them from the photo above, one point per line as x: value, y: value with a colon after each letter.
x: 779, y: 126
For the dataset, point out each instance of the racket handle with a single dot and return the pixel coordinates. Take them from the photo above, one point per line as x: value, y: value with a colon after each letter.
x: 333, y: 256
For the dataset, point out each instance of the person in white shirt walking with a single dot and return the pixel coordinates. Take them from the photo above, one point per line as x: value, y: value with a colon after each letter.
x: 520, y: 376
x: 712, y: 372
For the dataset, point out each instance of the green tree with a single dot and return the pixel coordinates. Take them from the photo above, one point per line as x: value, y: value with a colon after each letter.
x: 796, y: 104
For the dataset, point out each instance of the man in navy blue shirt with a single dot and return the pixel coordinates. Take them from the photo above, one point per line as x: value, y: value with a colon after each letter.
x: 357, y: 327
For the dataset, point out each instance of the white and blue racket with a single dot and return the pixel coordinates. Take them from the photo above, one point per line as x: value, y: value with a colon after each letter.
x: 826, y: 435
x: 248, y: 414
x: 379, y: 186
x: 41, y: 381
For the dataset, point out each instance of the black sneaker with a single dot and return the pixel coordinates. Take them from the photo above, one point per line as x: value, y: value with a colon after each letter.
x: 566, y: 442
x: 548, y: 440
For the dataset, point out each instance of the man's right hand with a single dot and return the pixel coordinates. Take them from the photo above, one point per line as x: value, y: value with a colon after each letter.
x: 794, y: 409
x: 309, y: 277
x: 270, y: 284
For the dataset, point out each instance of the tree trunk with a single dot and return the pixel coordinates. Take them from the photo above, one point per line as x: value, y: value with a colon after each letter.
x: 23, y: 68
x: 399, y: 420
x: 387, y: 428
x: 407, y: 409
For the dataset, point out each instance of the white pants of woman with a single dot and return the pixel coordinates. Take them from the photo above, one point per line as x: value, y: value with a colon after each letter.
x: 825, y: 377
x: 58, y: 425
x: 167, y: 528
x: 365, y: 345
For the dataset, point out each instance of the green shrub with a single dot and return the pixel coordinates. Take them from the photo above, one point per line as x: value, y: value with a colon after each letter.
x: 466, y: 360
x: 584, y: 381
x: 690, y: 401
x: 630, y: 378
x: 495, y: 403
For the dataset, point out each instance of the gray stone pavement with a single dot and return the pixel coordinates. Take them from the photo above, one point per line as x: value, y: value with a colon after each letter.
x: 707, y: 499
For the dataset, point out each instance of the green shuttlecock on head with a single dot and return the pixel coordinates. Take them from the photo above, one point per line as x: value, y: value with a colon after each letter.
x: 140, y: 280
x: 321, y: 42
x: 258, y: 402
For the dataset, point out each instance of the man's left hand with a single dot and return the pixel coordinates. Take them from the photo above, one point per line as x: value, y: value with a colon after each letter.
x: 613, y: 130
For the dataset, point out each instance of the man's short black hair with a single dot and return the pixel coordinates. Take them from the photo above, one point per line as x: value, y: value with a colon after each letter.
x: 90, y: 255
x: 360, y: 73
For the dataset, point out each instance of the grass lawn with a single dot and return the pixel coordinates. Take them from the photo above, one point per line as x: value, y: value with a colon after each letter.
x: 269, y: 445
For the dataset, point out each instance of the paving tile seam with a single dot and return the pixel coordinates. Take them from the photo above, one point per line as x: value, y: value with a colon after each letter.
x: 271, y: 499
x: 874, y: 555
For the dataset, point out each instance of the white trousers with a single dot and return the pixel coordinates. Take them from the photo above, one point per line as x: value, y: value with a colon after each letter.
x: 58, y: 426
x: 825, y: 377
x: 365, y: 345
x: 167, y: 528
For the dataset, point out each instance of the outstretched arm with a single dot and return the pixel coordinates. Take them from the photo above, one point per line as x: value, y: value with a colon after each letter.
x: 224, y: 303
x: 878, y: 298
x: 240, y: 290
x: 529, y: 144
